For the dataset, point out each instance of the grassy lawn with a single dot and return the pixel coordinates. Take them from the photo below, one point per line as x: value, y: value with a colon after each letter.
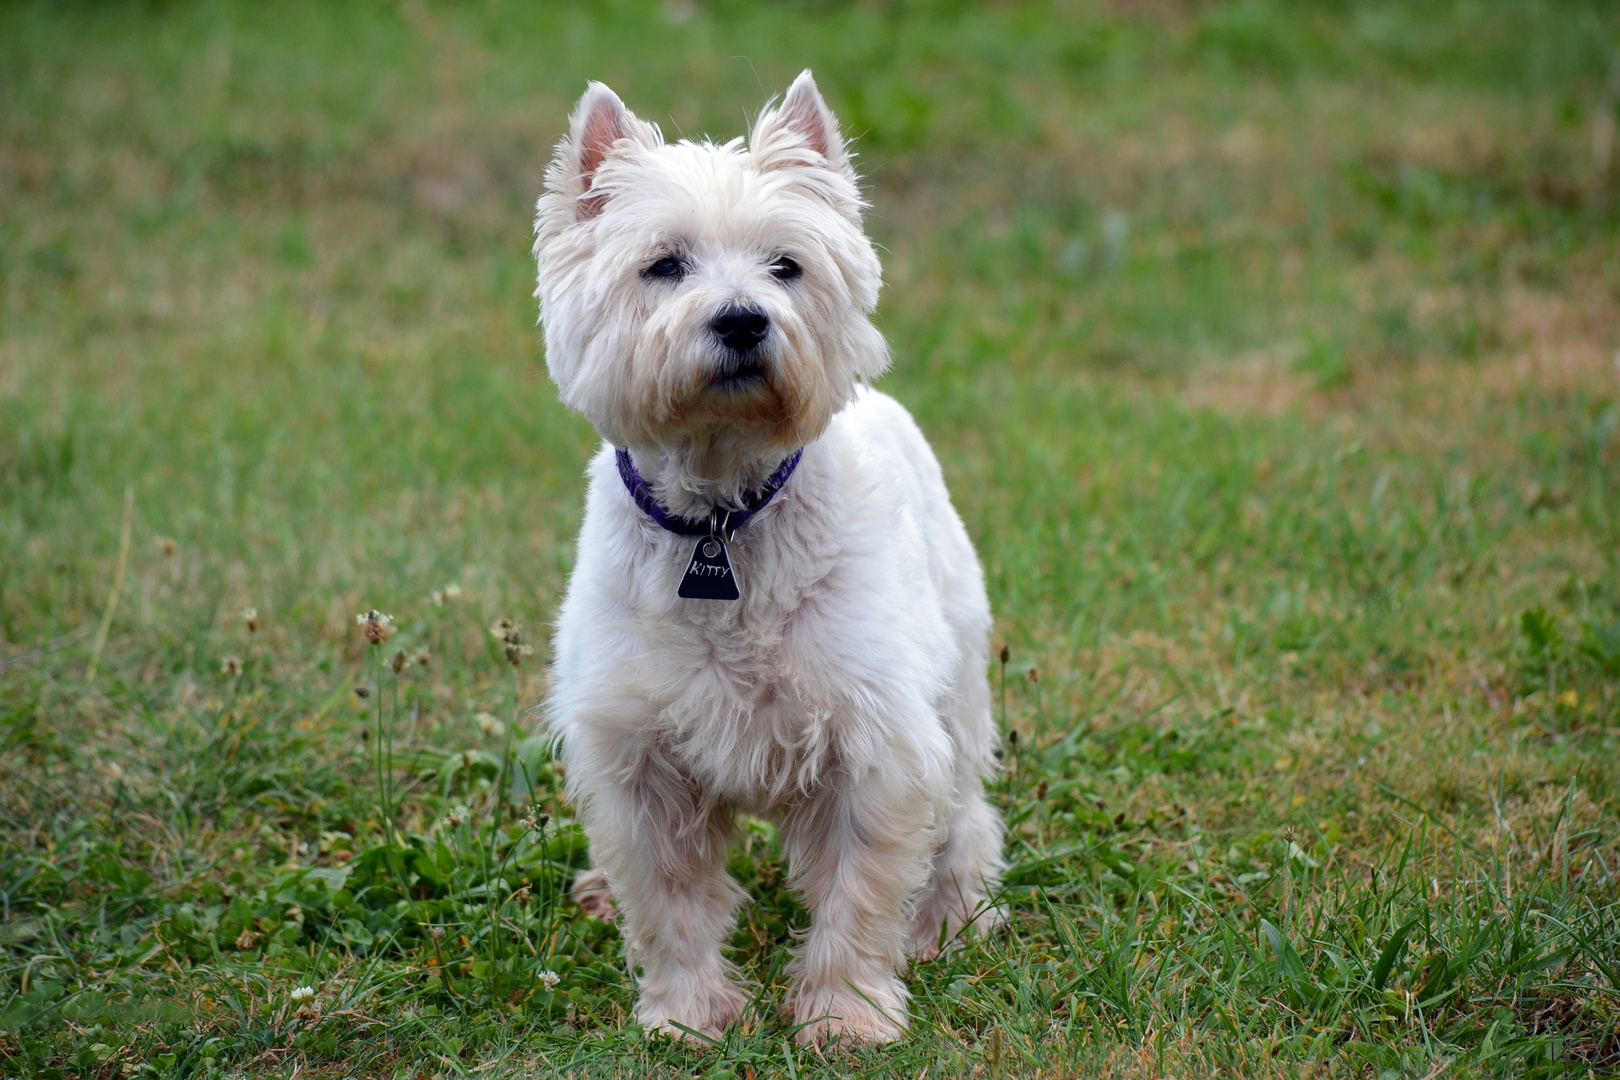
x: 1273, y: 355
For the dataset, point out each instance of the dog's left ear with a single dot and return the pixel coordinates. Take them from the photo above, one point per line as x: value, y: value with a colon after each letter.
x: 801, y: 131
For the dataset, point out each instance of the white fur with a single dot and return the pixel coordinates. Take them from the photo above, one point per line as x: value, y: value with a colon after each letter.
x: 846, y: 692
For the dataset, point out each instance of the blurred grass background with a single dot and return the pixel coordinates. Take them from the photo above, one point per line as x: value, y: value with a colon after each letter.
x: 1271, y: 351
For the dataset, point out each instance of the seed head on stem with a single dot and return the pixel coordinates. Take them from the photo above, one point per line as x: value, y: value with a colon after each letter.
x: 510, y: 635
x: 534, y: 821
x: 376, y: 626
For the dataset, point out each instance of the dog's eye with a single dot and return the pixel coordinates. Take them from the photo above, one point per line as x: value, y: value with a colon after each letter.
x: 785, y: 269
x: 667, y: 267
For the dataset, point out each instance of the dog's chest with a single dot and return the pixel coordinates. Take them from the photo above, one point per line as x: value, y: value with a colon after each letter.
x: 761, y: 706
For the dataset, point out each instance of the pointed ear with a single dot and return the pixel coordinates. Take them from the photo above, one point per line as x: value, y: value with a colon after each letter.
x: 599, y: 121
x: 801, y: 131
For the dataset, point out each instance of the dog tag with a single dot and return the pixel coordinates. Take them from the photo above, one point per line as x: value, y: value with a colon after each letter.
x: 708, y: 574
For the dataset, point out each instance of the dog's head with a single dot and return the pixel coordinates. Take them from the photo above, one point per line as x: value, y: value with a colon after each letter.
x: 695, y: 291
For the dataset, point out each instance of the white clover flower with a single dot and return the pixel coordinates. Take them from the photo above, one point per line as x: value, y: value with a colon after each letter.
x: 446, y: 594
x: 488, y: 724
x: 303, y: 993
x: 551, y: 979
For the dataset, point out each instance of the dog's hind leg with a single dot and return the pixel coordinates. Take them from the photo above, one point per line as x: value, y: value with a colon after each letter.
x: 593, y: 894
x: 967, y: 867
x: 965, y: 873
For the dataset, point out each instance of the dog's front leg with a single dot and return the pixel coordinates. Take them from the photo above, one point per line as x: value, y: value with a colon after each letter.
x: 859, y: 850
x: 664, y: 847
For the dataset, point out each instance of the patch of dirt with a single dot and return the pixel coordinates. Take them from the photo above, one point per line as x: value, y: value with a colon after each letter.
x: 1259, y: 384
x: 1564, y: 342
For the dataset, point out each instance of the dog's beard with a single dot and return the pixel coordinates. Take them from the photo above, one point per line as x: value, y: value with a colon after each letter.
x: 756, y: 397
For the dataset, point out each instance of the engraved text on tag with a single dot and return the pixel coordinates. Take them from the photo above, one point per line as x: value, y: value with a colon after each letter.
x: 708, y: 573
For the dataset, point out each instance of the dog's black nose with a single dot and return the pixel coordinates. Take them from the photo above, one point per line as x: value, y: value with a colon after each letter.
x: 741, y: 328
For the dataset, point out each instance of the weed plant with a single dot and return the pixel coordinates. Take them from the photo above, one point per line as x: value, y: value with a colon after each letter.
x: 1270, y: 351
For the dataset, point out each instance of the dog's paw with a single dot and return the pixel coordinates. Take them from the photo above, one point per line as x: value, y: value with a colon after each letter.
x: 924, y: 949
x: 708, y: 1013
x: 591, y: 892
x: 848, y: 1019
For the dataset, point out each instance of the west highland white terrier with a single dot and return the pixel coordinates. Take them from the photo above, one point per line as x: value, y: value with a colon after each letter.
x: 774, y: 607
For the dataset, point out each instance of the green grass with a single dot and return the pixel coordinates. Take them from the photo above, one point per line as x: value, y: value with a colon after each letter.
x: 1271, y: 352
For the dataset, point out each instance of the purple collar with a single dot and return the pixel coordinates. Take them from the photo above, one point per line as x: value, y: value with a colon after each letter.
x: 725, y: 522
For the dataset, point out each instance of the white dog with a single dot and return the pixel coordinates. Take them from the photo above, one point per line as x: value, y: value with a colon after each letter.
x: 774, y: 606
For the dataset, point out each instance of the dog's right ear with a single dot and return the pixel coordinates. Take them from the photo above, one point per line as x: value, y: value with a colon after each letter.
x: 598, y: 123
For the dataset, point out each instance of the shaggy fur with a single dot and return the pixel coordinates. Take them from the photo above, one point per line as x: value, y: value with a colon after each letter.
x: 846, y: 692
